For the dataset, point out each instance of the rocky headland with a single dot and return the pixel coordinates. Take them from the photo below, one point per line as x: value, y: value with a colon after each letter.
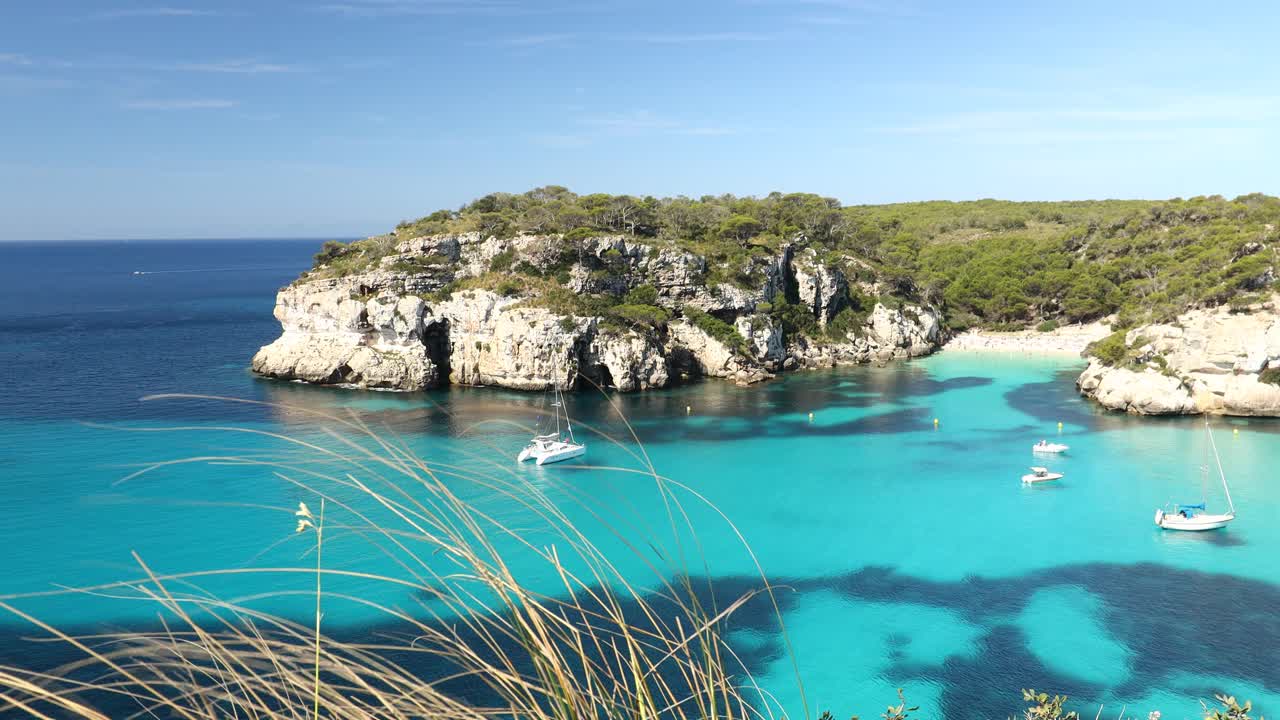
x: 1220, y: 360
x: 532, y: 311
x: 549, y: 287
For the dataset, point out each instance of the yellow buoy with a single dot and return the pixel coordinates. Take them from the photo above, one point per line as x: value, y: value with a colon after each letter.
x: 688, y: 410
x: 935, y: 422
x: 810, y: 417
x: 1235, y: 431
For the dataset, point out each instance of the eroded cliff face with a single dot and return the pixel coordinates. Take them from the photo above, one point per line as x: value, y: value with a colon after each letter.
x: 400, y: 323
x: 1208, y: 361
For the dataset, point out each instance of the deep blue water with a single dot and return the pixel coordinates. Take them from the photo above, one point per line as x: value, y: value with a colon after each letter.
x: 911, y: 556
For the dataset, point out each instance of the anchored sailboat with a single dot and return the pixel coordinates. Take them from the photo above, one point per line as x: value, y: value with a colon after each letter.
x: 1192, y: 516
x: 554, y: 447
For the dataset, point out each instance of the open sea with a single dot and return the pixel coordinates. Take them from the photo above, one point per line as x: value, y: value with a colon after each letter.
x: 906, y: 555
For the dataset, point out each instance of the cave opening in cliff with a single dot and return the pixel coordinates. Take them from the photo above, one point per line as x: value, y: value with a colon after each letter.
x: 436, y: 339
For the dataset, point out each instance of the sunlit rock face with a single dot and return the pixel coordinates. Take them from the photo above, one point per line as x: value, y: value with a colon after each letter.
x: 470, y: 310
x: 1207, y: 361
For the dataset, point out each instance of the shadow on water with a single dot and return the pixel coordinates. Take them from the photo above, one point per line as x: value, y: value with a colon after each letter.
x: 1054, y: 401
x: 722, y: 411
x: 1172, y: 621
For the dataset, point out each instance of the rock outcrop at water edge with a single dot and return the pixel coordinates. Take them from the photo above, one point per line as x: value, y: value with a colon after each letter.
x: 1216, y: 361
x: 534, y: 311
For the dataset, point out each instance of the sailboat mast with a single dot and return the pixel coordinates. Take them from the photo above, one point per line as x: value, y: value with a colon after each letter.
x: 1221, y: 474
x: 555, y: 384
x: 568, y: 425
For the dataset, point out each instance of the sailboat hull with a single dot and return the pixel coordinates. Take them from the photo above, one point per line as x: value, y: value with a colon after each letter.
x: 1195, y: 523
x: 566, y: 451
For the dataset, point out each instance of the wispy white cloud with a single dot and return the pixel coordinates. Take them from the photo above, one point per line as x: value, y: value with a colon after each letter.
x: 382, y: 8
x: 1187, y: 136
x: 238, y: 66
x: 592, y: 129
x: 902, y: 8
x: 155, y: 12
x: 1222, y: 112
x: 242, y: 67
x: 536, y: 40
x: 697, y: 38
x: 190, y: 104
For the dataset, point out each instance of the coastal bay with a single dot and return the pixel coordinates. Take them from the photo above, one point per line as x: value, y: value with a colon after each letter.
x: 905, y: 556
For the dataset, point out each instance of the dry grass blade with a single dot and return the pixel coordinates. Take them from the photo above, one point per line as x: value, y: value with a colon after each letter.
x: 494, y: 645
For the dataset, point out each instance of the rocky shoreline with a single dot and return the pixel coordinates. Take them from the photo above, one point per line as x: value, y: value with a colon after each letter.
x: 421, y: 316
x: 1208, y: 361
x: 433, y: 311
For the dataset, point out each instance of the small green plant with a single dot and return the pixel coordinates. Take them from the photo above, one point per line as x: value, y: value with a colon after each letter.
x: 1110, y: 350
x: 639, y: 316
x: 582, y: 233
x: 716, y: 328
x: 1230, y: 710
x: 502, y: 261
x: 1044, y: 707
x: 848, y: 321
x: 641, y: 295
x: 1271, y: 376
x: 329, y: 251
x: 1047, y: 326
x: 899, y: 711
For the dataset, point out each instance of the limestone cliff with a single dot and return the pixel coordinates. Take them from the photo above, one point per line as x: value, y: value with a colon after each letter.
x: 1207, y: 361
x: 532, y: 311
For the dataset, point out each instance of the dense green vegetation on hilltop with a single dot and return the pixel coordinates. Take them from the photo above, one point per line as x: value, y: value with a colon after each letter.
x: 986, y: 263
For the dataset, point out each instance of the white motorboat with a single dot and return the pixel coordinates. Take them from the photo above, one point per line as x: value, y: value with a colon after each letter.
x: 555, y: 446
x: 1048, y: 447
x: 1039, y: 475
x: 1192, y: 516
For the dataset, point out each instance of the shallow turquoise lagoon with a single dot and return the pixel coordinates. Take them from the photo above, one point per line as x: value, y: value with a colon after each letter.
x: 902, y: 555
x: 905, y: 555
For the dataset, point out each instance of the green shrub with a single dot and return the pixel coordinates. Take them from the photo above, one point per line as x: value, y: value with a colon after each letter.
x: 645, y: 316
x: 846, y: 322
x: 1047, y: 326
x: 1270, y: 376
x: 502, y: 261
x: 793, y: 318
x: 1110, y: 350
x: 641, y: 295
x: 330, y: 251
x: 716, y: 328
x: 582, y: 233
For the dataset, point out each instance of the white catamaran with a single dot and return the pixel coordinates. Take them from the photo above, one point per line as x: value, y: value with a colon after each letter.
x: 1193, y: 516
x: 554, y: 447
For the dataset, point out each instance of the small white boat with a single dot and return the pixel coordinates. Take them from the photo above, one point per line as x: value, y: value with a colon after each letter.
x: 1185, y: 517
x: 554, y: 447
x: 1192, y: 516
x: 1039, y: 475
x: 1048, y: 447
x: 549, y: 449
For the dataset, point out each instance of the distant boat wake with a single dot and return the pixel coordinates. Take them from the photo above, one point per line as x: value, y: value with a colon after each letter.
x: 212, y: 270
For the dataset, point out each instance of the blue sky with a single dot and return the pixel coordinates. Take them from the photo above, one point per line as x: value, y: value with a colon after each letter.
x: 342, y: 117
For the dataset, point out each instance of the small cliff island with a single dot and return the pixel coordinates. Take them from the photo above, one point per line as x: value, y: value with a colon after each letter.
x: 548, y: 287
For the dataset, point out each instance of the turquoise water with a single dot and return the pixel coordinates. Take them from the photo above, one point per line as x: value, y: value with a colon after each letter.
x: 905, y: 555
